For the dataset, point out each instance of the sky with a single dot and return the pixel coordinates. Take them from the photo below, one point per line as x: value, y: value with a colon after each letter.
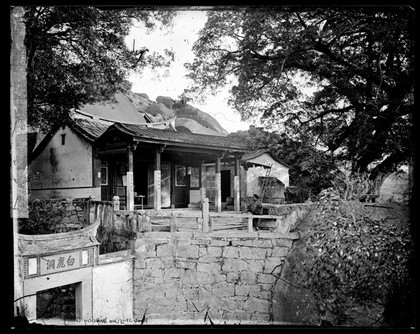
x: 181, y: 39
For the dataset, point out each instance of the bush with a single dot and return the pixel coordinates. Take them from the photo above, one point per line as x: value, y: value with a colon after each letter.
x: 44, y: 217
x: 354, y: 263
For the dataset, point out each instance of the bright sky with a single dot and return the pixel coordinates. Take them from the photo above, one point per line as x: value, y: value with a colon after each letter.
x: 180, y: 40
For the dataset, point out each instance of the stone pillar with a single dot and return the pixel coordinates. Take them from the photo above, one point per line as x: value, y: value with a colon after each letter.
x: 130, y: 181
x: 218, y: 187
x: 236, y: 186
x: 157, y: 181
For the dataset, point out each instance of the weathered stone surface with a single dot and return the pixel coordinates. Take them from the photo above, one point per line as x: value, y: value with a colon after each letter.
x: 234, y: 265
x: 255, y: 265
x: 214, y: 251
x: 223, y: 289
x: 207, y: 259
x: 218, y: 243
x: 185, y: 264
x: 232, y: 277
x: 242, y: 290
x: 230, y: 252
x: 155, y: 263
x: 279, y: 252
x: 241, y: 242
x: 202, y: 251
x: 265, y: 278
x: 150, y: 293
x: 272, y: 265
x: 165, y: 250
x: 196, y: 305
x: 204, y: 278
x: 213, y: 268
x: 233, y: 304
x: 284, y: 242
x: 190, y: 251
x: 171, y: 273
x: 262, y: 243
x: 242, y: 315
x: 220, y: 278
x: 248, y: 277
x: 190, y: 293
x: 257, y: 305
x: 255, y: 291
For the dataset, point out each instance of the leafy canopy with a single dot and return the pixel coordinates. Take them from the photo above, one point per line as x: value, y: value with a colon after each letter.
x: 358, y: 61
x: 78, y: 55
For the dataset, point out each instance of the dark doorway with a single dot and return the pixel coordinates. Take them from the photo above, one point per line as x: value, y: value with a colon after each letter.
x: 140, y: 180
x: 180, y: 183
x: 57, y: 303
x: 225, y: 184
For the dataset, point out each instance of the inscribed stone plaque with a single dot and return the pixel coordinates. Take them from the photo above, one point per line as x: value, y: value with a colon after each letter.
x: 60, y: 262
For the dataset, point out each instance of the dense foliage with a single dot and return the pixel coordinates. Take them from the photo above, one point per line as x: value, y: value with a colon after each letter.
x: 359, y: 61
x: 44, y: 218
x: 355, y: 262
x: 310, y: 169
x: 78, y: 55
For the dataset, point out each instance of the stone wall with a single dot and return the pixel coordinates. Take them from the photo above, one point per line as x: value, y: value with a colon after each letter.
x: 196, y: 278
x: 55, y: 216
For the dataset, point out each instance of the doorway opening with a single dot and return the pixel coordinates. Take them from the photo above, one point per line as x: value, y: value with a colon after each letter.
x: 225, y: 184
x: 57, y: 303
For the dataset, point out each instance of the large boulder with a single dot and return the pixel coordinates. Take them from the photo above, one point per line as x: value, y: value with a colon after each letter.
x: 188, y: 111
x: 166, y: 107
x: 192, y: 126
x: 140, y: 100
x: 166, y: 101
x: 159, y: 109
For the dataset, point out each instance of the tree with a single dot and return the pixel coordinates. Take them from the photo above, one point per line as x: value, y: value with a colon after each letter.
x: 310, y: 168
x: 359, y: 61
x: 78, y: 55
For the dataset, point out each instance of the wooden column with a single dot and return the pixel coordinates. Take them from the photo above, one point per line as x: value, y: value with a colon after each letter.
x: 157, y: 181
x: 203, y: 182
x: 173, y: 186
x: 236, y: 186
x: 130, y: 180
x: 218, y: 187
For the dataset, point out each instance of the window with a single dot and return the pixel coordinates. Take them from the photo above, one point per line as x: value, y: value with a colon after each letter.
x: 63, y: 139
x: 195, y: 177
x: 180, y: 176
x: 104, y: 176
x: 210, y: 182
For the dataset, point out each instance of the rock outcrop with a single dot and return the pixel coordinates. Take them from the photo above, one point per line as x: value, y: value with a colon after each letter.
x: 188, y: 117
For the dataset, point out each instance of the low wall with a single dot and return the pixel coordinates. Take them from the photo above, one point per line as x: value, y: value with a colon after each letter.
x: 55, y: 216
x: 291, y: 214
x: 196, y: 278
x: 112, y: 294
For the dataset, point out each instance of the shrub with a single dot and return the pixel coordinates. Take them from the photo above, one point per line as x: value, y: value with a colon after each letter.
x: 354, y: 263
x: 44, y: 217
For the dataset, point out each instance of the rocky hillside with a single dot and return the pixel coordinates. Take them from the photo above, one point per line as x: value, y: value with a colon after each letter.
x: 188, y: 118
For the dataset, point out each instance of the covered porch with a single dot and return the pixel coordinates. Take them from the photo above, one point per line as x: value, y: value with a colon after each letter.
x: 150, y: 168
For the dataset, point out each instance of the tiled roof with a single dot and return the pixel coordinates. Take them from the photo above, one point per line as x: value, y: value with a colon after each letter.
x: 173, y: 136
x: 257, y: 153
x: 90, y: 129
x: 254, y: 154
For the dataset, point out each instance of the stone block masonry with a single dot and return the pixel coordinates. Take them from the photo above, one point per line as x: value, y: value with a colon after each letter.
x: 194, y: 278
